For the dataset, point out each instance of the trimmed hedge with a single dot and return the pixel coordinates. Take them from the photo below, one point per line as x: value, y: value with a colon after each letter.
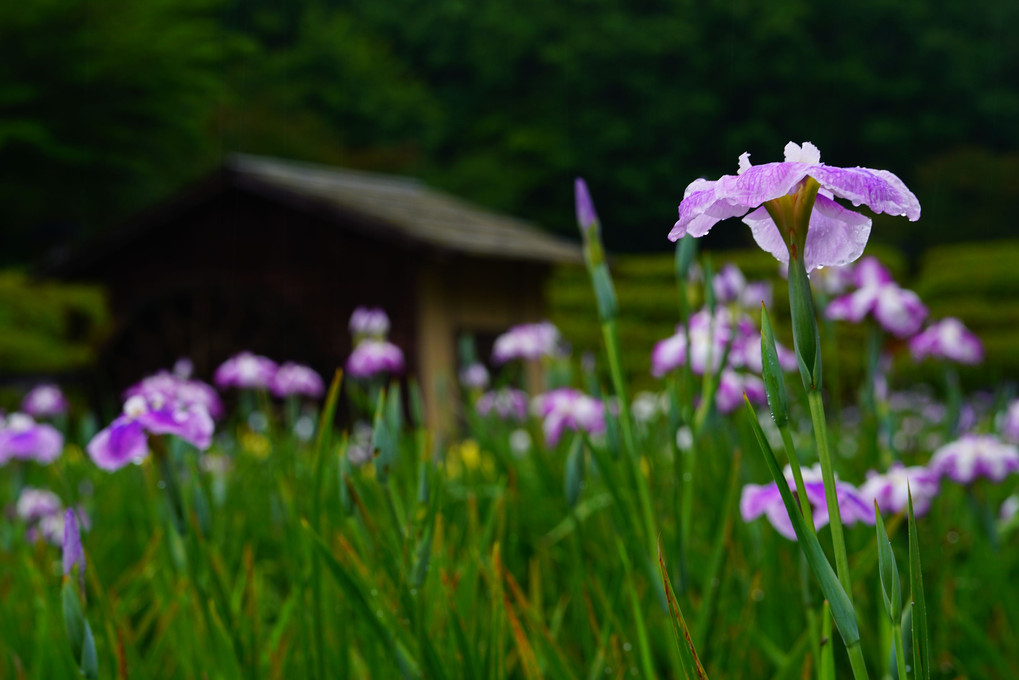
x: 978, y: 283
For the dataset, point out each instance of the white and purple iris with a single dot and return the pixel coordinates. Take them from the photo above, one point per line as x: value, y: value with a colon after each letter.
x: 733, y: 385
x: 731, y: 287
x: 897, y: 310
x: 246, y: 371
x: 892, y: 489
x: 947, y: 339
x: 973, y: 456
x: 21, y: 438
x: 292, y: 380
x: 528, y: 342
x: 1010, y: 423
x: 34, y: 504
x: 125, y: 440
x: 505, y: 403
x: 44, y: 401
x: 374, y: 357
x: 709, y: 338
x: 45, y: 516
x: 369, y: 322
x: 172, y: 387
x: 568, y: 409
x: 835, y: 236
x: 757, y: 500
x: 474, y: 376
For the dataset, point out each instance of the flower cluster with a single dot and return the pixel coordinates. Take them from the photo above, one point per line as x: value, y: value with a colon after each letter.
x: 947, y: 339
x: 44, y: 401
x: 757, y: 500
x: 1010, y: 423
x: 568, y: 409
x: 474, y: 376
x: 505, y: 403
x: 725, y: 342
x: 731, y: 287
x: 897, y: 310
x: 373, y: 355
x: 44, y: 514
x: 293, y: 379
x: 125, y: 440
x: 245, y: 371
x: 975, y: 455
x: 21, y: 438
x: 172, y: 387
x: 248, y: 371
x: 369, y: 322
x: 529, y: 342
x: 962, y: 461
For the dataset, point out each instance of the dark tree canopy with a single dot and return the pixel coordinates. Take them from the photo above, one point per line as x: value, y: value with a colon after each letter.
x: 110, y: 104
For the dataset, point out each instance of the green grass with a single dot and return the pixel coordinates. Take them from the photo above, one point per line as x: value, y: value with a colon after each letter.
x: 451, y: 556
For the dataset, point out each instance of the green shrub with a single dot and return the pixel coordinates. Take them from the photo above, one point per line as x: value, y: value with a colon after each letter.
x: 49, y: 327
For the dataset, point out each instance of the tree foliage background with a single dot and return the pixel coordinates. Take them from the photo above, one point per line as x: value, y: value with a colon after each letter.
x: 109, y: 105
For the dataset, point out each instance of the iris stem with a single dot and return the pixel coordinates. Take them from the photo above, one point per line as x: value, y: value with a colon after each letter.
x: 830, y: 494
x: 900, y: 654
x: 611, y: 335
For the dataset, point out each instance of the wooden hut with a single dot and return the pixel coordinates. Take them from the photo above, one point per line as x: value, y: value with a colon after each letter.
x: 273, y: 255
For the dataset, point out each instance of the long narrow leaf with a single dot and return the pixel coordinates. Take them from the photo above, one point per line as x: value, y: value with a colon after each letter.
x: 692, y: 667
x: 841, y: 607
x: 921, y: 643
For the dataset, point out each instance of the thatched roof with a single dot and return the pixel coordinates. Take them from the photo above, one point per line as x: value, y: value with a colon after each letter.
x: 407, y: 207
x: 396, y: 210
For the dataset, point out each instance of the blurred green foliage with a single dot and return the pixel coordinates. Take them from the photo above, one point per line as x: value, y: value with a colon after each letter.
x: 49, y: 328
x: 110, y: 104
x: 978, y: 283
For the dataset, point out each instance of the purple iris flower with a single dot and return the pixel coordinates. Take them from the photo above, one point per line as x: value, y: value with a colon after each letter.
x: 170, y: 387
x: 528, y: 341
x: 506, y: 403
x: 731, y: 388
x: 34, y: 504
x: 569, y: 409
x: 1010, y: 423
x: 183, y: 368
x: 44, y: 401
x: 23, y: 438
x: 709, y: 337
x: 835, y: 235
x: 832, y: 280
x: 125, y: 439
x: 373, y: 357
x: 359, y: 447
x: 731, y: 287
x: 975, y: 455
x: 294, y: 379
x: 728, y: 284
x: 369, y: 322
x: 73, y: 553
x: 586, y: 215
x: 474, y: 376
x: 892, y: 489
x: 897, y: 310
x: 757, y: 500
x: 245, y: 371
x: 948, y: 339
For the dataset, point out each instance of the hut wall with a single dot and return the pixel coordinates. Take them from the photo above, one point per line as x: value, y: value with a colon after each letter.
x: 481, y: 297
